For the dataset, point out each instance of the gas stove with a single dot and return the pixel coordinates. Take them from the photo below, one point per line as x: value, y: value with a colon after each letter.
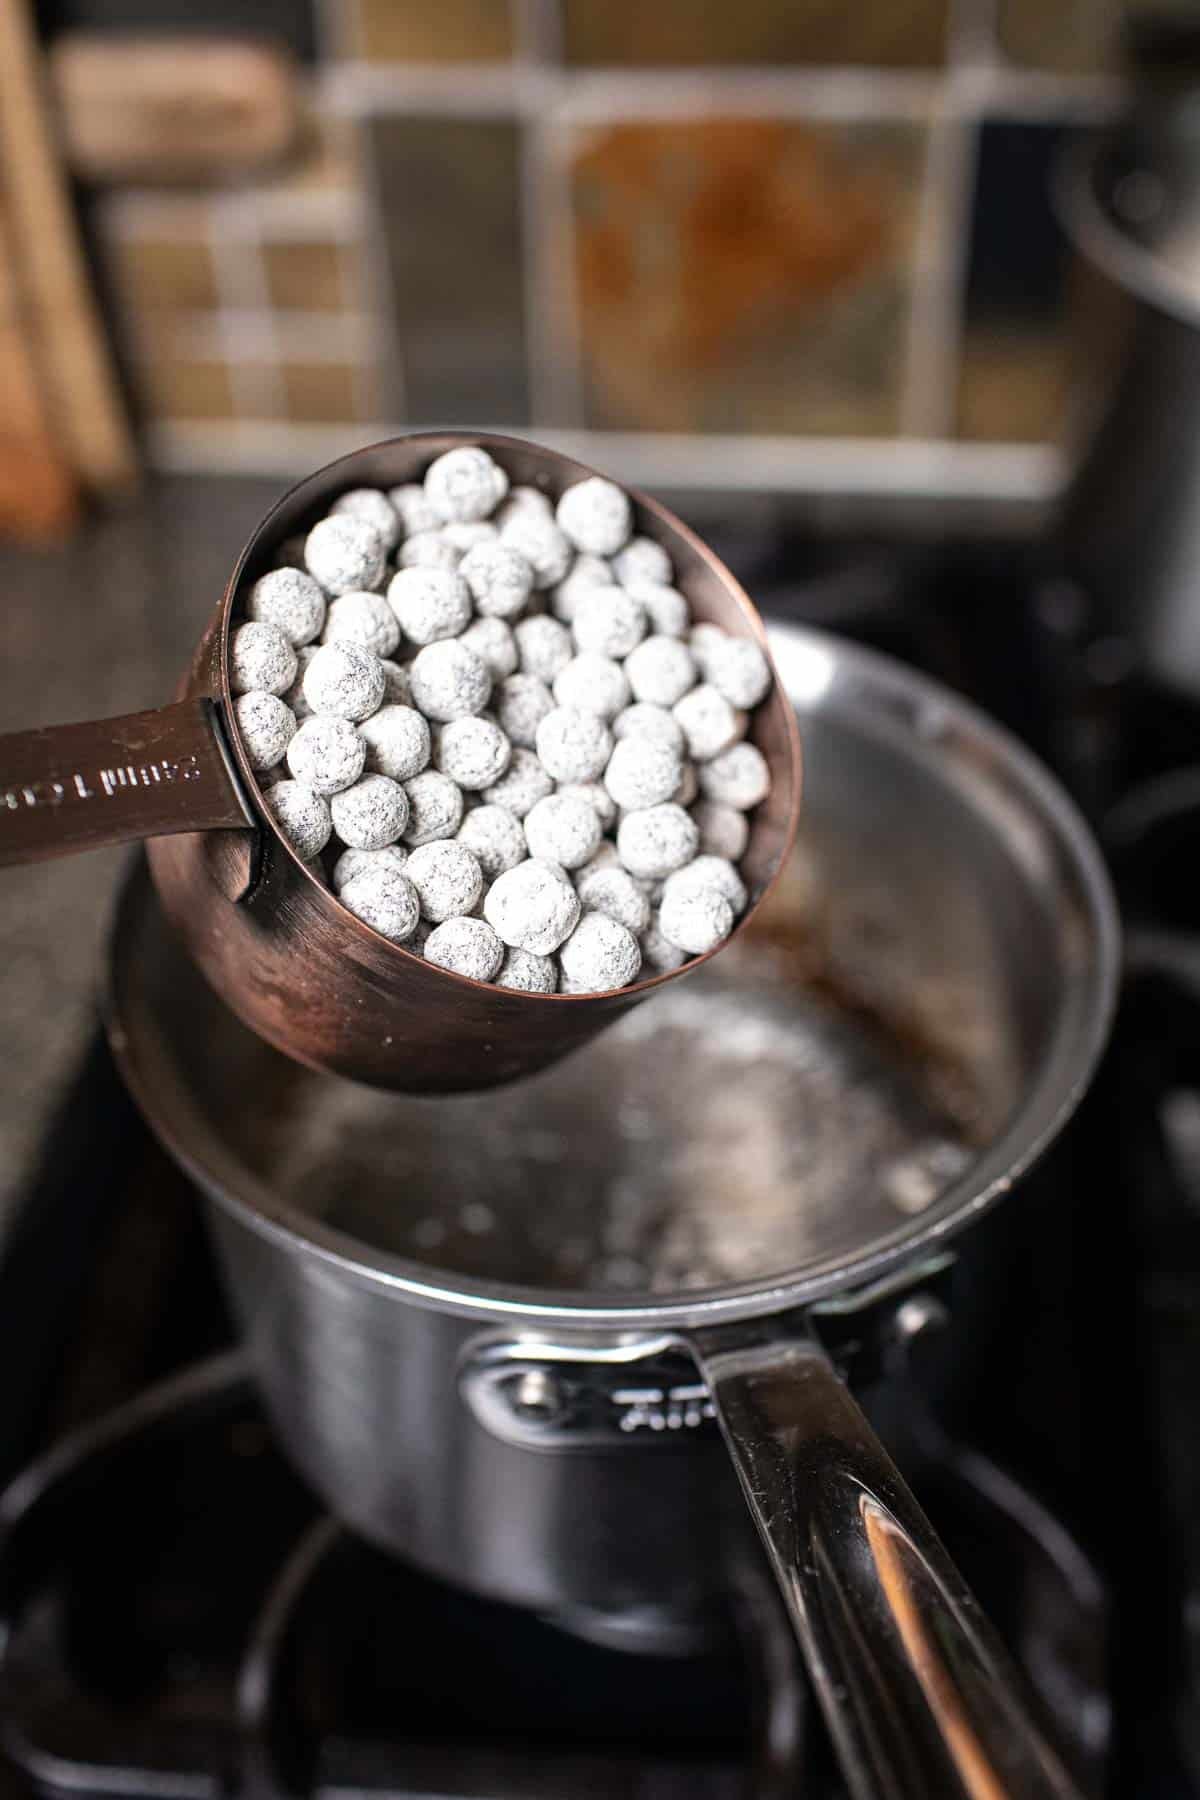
x: 179, y: 1617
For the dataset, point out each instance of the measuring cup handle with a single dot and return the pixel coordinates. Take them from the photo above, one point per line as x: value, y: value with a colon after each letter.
x: 65, y: 788
x: 916, y: 1689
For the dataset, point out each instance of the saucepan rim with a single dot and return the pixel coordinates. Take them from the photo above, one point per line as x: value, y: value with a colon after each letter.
x: 883, y: 695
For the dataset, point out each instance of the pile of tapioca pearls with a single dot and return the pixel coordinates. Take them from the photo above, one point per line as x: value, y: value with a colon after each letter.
x: 494, y: 720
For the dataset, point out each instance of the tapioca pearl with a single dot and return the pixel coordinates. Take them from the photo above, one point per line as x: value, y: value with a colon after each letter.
x: 291, y: 601
x: 355, y: 862
x: 429, y: 604
x: 644, y: 720
x: 346, y: 680
x: 563, y: 829
x: 327, y: 754
x: 267, y: 726
x: 659, y: 956
x: 449, y: 681
x: 608, y: 622
x: 660, y: 670
x: 546, y: 549
x: 532, y: 907
x: 524, y: 499
x: 414, y: 509
x: 573, y: 745
x: 492, y: 640
x: 641, y: 559
x: 642, y: 772
x: 738, y: 777
x: 465, y: 484
x: 435, y: 808
x: 522, y: 785
x: 599, y: 956
x: 613, y: 891
x: 261, y: 661
x: 397, y: 742
x: 695, y: 918
x: 593, y: 684
x: 429, y: 550
x: 301, y: 815
x: 465, y: 946
x: 739, y: 670
x: 372, y: 813
x: 595, y: 515
x: 447, y: 877
x: 665, y: 607
x: 597, y: 797
x: 521, y: 703
x: 526, y: 973
x: 723, y: 830
x: 473, y: 752
x: 495, y: 837
x: 468, y: 534
x: 708, y: 722
x: 710, y: 871
x: 543, y: 645
x: 585, y: 572
x: 375, y: 509
x: 384, y: 898
x: 295, y: 698
x: 345, y: 554
x: 499, y: 578
x: 654, y: 842
x: 365, y: 619
x: 703, y: 639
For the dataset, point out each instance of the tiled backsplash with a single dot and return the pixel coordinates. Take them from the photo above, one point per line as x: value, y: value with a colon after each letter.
x: 778, y: 244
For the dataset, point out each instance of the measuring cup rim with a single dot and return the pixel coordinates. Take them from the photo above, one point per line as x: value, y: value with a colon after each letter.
x: 337, y: 477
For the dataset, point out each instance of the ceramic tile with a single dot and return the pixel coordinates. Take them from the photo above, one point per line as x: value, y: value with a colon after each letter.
x: 189, y: 388
x: 745, y: 275
x: 320, y: 393
x: 894, y: 33
x: 157, y: 275
x: 306, y: 276
x: 451, y: 220
x: 433, y: 30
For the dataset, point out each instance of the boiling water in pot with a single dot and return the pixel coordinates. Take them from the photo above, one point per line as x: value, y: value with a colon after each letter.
x: 717, y: 1134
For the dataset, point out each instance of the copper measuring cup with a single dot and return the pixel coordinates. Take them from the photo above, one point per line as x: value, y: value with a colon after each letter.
x: 280, y: 949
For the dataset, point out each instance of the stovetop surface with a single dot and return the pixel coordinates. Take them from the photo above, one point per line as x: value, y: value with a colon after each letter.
x: 178, y: 1617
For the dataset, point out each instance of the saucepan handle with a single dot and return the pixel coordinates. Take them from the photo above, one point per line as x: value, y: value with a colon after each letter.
x: 917, y: 1691
x: 65, y: 788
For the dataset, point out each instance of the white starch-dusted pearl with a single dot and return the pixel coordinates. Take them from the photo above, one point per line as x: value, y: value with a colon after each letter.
x: 642, y: 772
x: 364, y: 619
x: 644, y: 720
x: 375, y: 509
x: 642, y: 560
x: 290, y: 600
x: 413, y: 508
x: 526, y: 973
x: 448, y: 879
x: 667, y: 610
x: 585, y: 572
x: 710, y: 871
x: 737, y: 668
x: 658, y: 955
x: 596, y: 684
x: 605, y: 858
x: 522, y: 702
x: 449, y: 681
x: 474, y: 752
x: 435, y: 808
x: 532, y: 907
x: 396, y: 691
x: 468, y: 534
x: 345, y: 680
x: 302, y: 817
x: 738, y: 777
x: 429, y: 550
x: 608, y: 622
x: 499, y: 579
x: 524, y: 499
x: 599, y: 955
x: 708, y: 722
x: 695, y: 918
x: 372, y: 813
x: 465, y: 947
x: 495, y: 837
x: 573, y: 745
x: 723, y: 830
x: 267, y: 726
x: 345, y: 554
x: 596, y: 515
x: 522, y: 785
x: 492, y: 640
x: 327, y: 754
x: 562, y: 829
x: 657, y: 840
x: 614, y: 892
x: 465, y: 484
x: 261, y: 661
x: 355, y: 862
x: 597, y: 797
x: 295, y: 697
x: 384, y: 898
x: 397, y: 742
x: 430, y: 604
x: 543, y: 645
x: 545, y: 548
x: 703, y: 638
x: 660, y: 670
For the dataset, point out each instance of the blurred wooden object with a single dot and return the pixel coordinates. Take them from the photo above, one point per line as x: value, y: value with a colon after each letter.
x: 38, y: 494
x: 164, y: 109
x: 47, y: 270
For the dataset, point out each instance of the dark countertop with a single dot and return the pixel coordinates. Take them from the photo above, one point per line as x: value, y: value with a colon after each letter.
x: 103, y: 624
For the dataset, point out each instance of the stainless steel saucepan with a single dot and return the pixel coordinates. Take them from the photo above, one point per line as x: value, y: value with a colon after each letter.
x: 505, y: 1334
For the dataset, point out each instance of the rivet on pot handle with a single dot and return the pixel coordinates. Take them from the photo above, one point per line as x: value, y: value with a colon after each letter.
x: 916, y: 1688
